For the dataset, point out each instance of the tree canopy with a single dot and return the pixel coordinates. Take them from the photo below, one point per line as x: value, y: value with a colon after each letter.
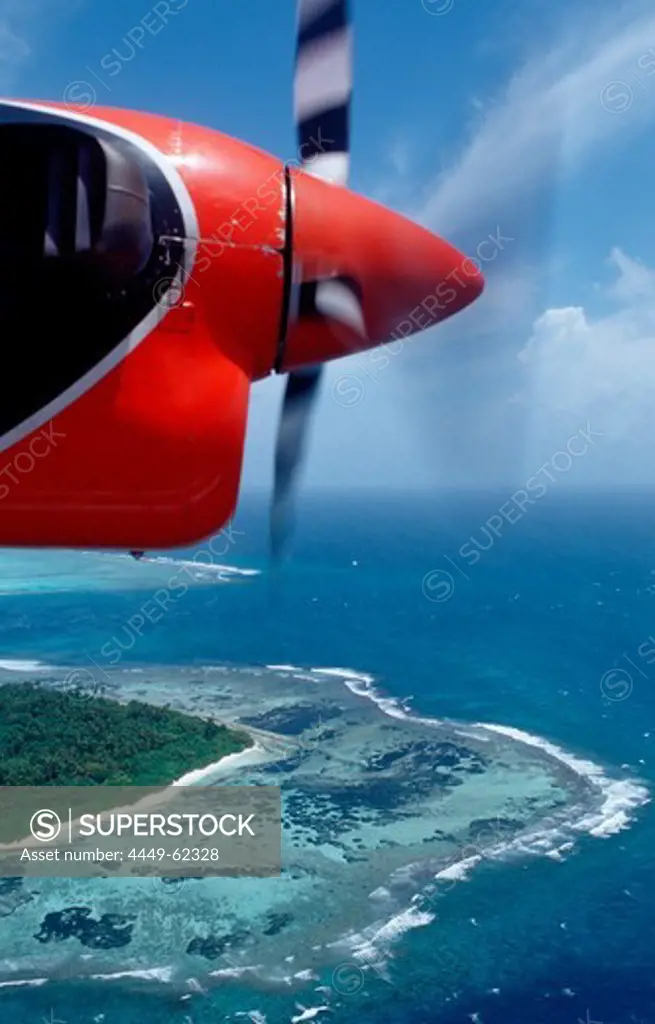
x: 51, y: 737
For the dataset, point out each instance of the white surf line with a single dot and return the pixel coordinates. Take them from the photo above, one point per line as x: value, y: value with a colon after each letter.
x: 344, y: 673
x: 26, y: 982
x: 621, y: 796
x: 185, y: 563
x: 162, y: 974
x: 308, y: 1012
x: 212, y: 567
x: 27, y: 665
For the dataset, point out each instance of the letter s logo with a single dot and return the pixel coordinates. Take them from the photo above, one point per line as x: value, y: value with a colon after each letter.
x: 45, y: 825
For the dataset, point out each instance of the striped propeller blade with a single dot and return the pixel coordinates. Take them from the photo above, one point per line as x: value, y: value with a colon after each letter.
x: 322, y: 97
x: 323, y: 88
x: 300, y: 395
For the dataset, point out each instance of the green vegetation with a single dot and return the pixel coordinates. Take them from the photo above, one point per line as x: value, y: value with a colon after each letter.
x: 54, y: 738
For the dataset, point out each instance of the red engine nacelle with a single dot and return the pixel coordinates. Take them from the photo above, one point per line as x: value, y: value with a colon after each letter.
x: 148, y: 272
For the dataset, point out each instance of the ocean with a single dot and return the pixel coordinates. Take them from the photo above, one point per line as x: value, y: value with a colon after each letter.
x: 542, y: 621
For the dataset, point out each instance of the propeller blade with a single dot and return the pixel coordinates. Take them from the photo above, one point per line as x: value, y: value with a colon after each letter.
x: 299, y: 398
x: 322, y: 97
x: 323, y: 88
x: 337, y: 299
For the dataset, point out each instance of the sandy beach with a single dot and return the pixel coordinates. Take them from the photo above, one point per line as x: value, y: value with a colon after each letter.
x: 250, y: 756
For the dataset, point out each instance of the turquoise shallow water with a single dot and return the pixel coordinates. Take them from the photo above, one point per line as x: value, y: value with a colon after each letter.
x: 383, y: 813
x: 524, y: 638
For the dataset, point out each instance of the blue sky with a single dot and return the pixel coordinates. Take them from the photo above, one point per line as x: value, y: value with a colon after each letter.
x: 534, y: 117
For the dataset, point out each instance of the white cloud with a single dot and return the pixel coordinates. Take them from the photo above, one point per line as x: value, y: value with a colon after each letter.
x: 600, y: 368
x: 400, y: 158
x: 13, y: 48
x: 24, y: 25
x: 362, y: 431
x: 635, y: 281
x: 556, y: 112
x: 551, y: 120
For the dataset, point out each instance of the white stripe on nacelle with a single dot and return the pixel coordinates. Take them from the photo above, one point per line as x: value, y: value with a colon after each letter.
x: 323, y: 75
x: 331, y: 167
x: 336, y: 300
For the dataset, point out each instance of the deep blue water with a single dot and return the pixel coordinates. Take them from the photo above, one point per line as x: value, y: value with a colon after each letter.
x: 523, y: 635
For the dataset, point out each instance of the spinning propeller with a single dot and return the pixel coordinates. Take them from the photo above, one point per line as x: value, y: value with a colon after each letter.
x: 322, y: 98
x: 360, y: 274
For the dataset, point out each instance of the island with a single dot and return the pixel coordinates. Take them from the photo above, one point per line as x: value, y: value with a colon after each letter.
x: 387, y: 815
x: 54, y: 737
